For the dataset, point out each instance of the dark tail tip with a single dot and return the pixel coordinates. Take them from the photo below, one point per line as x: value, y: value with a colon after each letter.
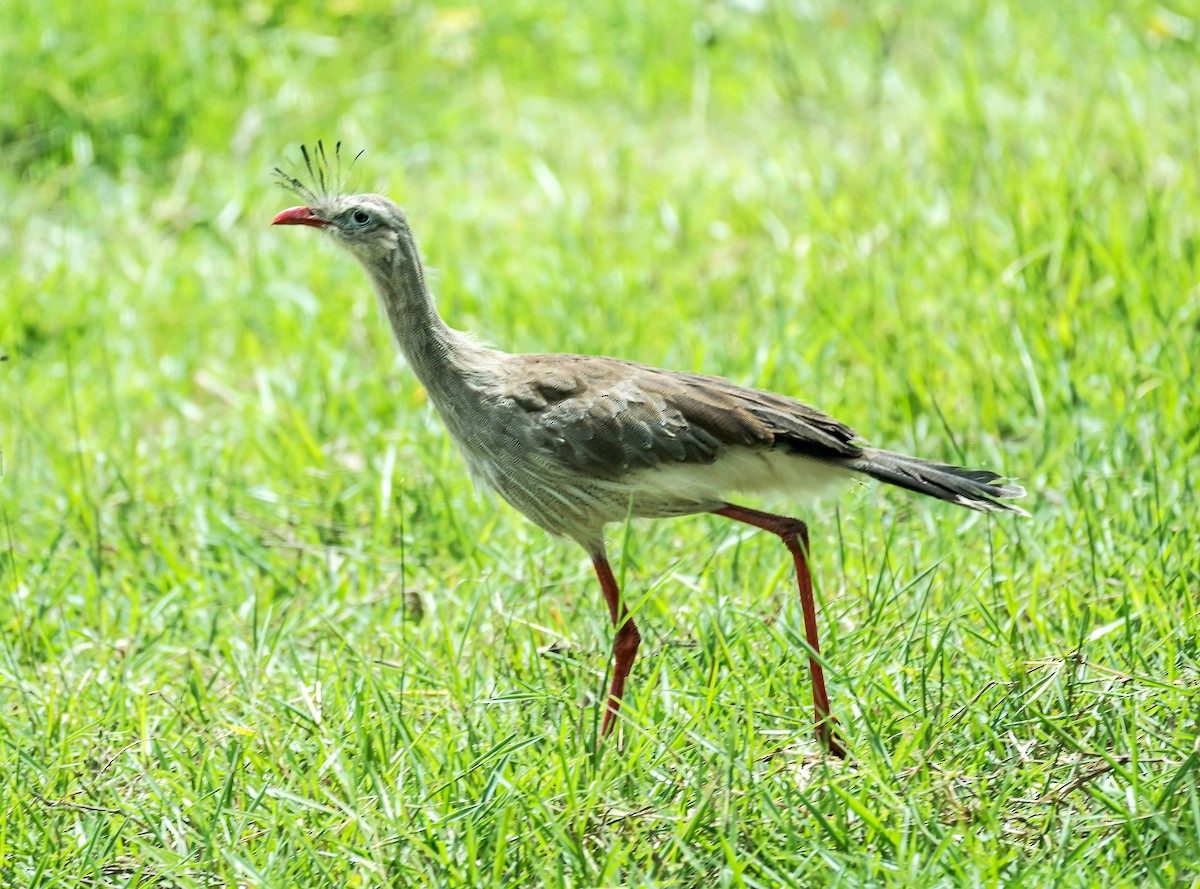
x: 977, y: 489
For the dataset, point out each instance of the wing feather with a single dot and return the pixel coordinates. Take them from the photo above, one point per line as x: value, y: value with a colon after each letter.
x: 605, y: 417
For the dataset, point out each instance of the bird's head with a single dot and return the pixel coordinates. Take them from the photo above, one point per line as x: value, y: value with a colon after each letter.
x: 368, y: 225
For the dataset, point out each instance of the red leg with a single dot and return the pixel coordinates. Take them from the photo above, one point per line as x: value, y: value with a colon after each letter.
x: 794, y: 534
x: 625, y: 645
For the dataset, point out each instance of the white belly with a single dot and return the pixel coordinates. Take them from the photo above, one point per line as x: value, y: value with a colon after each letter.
x: 739, y: 470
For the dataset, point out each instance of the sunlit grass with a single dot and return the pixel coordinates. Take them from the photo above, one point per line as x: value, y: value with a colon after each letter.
x: 258, y: 629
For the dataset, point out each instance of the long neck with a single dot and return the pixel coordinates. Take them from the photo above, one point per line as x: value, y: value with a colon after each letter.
x: 442, y: 358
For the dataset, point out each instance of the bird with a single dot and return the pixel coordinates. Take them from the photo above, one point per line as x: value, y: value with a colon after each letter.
x: 579, y: 442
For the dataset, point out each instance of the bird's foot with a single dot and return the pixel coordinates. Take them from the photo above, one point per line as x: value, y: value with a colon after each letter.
x: 830, y: 740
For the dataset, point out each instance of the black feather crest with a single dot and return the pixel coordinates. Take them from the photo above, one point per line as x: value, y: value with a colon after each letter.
x: 324, y: 178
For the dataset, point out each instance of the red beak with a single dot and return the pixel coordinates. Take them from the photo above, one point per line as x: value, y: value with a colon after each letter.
x: 300, y: 216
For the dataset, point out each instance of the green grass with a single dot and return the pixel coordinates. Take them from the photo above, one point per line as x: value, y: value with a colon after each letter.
x: 256, y: 628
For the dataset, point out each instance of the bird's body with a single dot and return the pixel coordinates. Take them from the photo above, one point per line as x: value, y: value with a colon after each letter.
x: 576, y: 442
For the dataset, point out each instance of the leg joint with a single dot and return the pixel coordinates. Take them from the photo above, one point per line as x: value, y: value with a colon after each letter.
x: 793, y: 529
x: 625, y: 645
x: 788, y: 529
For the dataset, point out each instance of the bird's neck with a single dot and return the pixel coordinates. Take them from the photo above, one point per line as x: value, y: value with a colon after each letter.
x: 441, y: 357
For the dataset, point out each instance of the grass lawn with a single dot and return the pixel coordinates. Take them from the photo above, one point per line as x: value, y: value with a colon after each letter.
x: 256, y: 627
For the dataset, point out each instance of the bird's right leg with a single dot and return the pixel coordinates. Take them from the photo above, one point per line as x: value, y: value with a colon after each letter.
x: 794, y: 534
x: 625, y: 645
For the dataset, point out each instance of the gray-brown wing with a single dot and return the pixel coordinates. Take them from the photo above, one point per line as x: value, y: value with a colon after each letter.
x: 604, y: 416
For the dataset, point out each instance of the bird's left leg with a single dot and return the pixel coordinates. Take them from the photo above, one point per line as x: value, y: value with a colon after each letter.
x: 625, y: 645
x: 794, y: 534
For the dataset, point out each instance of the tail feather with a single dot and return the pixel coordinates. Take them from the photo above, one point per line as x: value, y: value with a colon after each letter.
x: 973, y: 488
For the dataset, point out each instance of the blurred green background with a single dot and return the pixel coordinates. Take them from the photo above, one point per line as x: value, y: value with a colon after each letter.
x: 256, y: 628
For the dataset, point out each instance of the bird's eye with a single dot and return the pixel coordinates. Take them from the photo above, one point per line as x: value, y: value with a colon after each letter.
x: 360, y: 217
